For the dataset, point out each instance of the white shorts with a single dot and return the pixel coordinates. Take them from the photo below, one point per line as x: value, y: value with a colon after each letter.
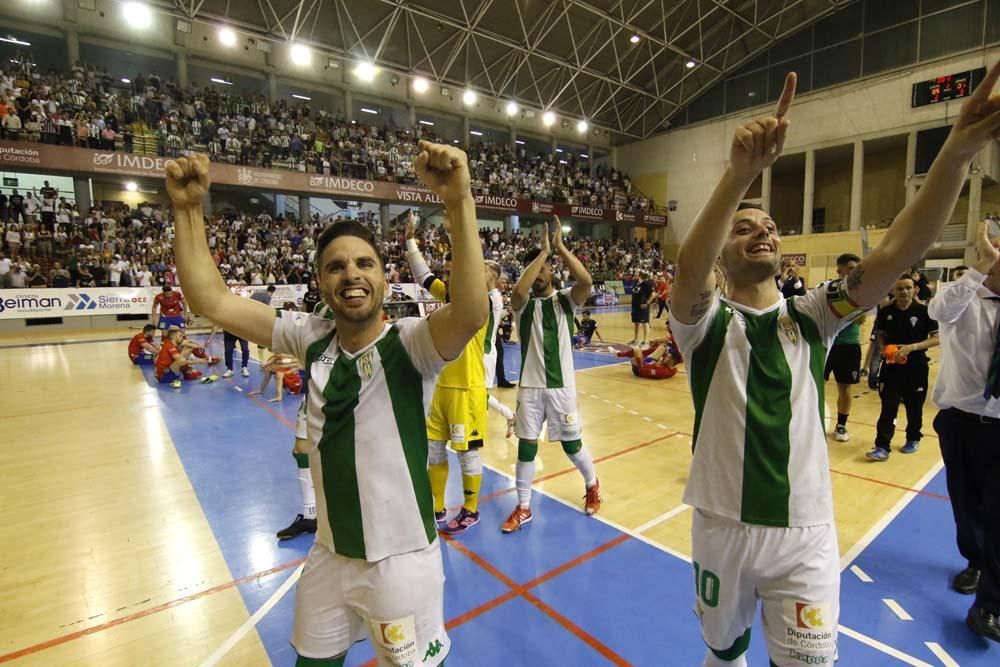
x: 557, y: 407
x: 301, y: 423
x: 490, y: 361
x: 398, y: 602
x: 795, y: 572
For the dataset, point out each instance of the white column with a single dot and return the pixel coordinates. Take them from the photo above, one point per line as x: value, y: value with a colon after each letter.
x: 513, y: 139
x: 466, y: 137
x: 384, y: 219
x: 348, y: 105
x: 807, y: 194
x: 857, y: 184
x: 72, y: 47
x: 765, y: 190
x: 182, y: 70
x: 555, y: 143
x: 272, y: 87
x: 590, y: 159
x: 911, y: 165
x: 412, y: 110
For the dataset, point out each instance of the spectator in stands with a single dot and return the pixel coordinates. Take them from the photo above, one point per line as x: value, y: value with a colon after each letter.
x: 36, y: 278
x: 789, y: 282
x: 59, y: 277
x: 18, y: 276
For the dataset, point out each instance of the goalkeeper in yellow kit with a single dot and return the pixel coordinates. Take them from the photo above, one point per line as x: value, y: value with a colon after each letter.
x: 458, y: 409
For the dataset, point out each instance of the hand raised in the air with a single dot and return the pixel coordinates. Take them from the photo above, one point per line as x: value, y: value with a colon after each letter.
x: 979, y: 120
x: 187, y: 180
x: 757, y: 144
x: 411, y: 226
x: 557, y: 239
x: 546, y: 246
x: 987, y: 253
x: 445, y: 170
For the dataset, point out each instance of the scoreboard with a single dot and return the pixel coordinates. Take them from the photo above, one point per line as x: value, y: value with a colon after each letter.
x: 948, y: 87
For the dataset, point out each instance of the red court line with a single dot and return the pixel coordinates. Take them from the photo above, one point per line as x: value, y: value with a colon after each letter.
x: 256, y: 399
x: 895, y: 486
x: 146, y: 612
x: 606, y: 457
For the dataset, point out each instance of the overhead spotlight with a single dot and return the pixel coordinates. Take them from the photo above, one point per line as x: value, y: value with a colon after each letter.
x: 582, y: 126
x: 301, y: 97
x: 469, y: 97
x: 584, y: 155
x: 137, y: 15
x: 512, y: 108
x: 374, y: 112
x: 690, y: 64
x: 131, y: 186
x: 476, y: 133
x: 10, y: 39
x: 567, y: 228
x: 429, y: 123
x: 365, y: 71
x: 300, y: 54
x: 126, y: 80
x: 548, y: 119
x: 420, y: 85
x: 226, y: 36
x: 634, y: 39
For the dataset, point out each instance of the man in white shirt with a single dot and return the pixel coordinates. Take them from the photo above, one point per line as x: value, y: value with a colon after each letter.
x: 763, y: 529
x: 968, y: 425
x: 5, y: 265
x: 376, y: 566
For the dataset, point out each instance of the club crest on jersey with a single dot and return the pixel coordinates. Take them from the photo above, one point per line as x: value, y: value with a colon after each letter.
x: 913, y: 321
x: 366, y: 364
x: 791, y: 330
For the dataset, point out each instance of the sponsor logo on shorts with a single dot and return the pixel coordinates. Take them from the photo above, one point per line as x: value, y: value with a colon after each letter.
x: 396, y: 639
x: 809, y: 626
x: 433, y: 649
x: 457, y: 432
x: 569, y: 418
x: 807, y: 659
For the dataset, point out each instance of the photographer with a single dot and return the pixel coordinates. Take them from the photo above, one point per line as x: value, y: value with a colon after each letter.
x: 789, y: 282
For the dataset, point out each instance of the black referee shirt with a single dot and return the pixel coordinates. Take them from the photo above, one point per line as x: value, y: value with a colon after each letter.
x: 905, y: 327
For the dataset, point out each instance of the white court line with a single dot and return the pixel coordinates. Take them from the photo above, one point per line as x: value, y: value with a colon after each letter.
x: 251, y: 622
x: 897, y: 609
x: 861, y: 574
x: 632, y: 412
x: 663, y: 427
x: 647, y: 419
x: 666, y: 516
x: 885, y: 648
x: 619, y: 406
x: 888, y: 517
x: 941, y: 654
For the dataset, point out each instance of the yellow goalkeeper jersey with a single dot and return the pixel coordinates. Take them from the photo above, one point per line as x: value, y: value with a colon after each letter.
x: 468, y: 371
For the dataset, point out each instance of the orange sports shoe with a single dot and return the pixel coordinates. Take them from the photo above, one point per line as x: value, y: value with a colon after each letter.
x: 592, y: 500
x: 517, y: 518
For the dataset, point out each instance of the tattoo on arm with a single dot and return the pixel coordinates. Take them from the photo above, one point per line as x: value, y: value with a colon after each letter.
x: 854, y: 278
x: 700, y: 308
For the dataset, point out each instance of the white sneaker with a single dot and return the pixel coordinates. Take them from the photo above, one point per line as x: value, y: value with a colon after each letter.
x: 228, y: 373
x: 245, y: 372
x: 840, y: 434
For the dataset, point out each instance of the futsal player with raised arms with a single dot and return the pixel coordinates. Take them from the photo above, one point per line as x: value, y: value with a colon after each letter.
x: 546, y: 393
x: 763, y: 526
x: 376, y: 566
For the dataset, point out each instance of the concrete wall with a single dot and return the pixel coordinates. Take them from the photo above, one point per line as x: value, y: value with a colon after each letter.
x: 694, y: 157
x: 884, y: 193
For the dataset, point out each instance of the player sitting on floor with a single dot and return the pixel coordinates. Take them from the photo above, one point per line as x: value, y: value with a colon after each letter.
x: 285, y: 369
x: 141, y: 349
x: 173, y: 362
x: 656, y: 362
x: 586, y: 328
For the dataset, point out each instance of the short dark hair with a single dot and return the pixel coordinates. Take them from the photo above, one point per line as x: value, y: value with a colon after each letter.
x: 271, y: 288
x: 961, y: 267
x: 531, y: 255
x: 340, y: 228
x: 744, y: 205
x: 847, y: 257
x: 906, y: 276
x: 586, y: 312
x: 148, y: 328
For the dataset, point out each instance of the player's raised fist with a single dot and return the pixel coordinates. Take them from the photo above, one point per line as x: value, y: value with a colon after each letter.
x: 187, y: 180
x: 758, y: 143
x: 445, y: 170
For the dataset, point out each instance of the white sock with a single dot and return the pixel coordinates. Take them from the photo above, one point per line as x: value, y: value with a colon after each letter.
x: 308, y: 494
x: 497, y: 406
x: 525, y: 476
x: 585, y: 464
x: 712, y: 661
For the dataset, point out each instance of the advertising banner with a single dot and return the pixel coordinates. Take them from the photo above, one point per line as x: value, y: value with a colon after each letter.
x: 19, y: 155
x: 57, y: 302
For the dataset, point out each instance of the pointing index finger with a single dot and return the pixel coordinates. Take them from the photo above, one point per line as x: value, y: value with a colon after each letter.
x: 985, y: 87
x: 787, y: 95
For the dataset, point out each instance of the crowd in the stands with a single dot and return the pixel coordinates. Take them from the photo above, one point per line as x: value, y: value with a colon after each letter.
x: 153, y: 116
x: 54, y: 245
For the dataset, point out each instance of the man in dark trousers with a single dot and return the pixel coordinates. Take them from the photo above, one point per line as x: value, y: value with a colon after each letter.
x: 968, y: 424
x: 906, y: 332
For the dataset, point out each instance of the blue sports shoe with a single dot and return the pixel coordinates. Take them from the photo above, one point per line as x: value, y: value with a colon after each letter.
x: 910, y: 446
x: 878, y: 454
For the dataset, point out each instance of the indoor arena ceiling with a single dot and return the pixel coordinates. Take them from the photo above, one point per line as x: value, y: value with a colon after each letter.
x: 624, y: 65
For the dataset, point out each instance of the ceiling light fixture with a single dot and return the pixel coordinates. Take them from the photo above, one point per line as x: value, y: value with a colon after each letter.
x: 137, y: 15
x: 420, y: 85
x: 476, y: 133
x: 365, y: 71
x: 131, y: 186
x: 426, y: 122
x: 301, y: 97
x: 469, y: 97
x: 10, y: 39
x: 582, y: 126
x: 300, y: 54
x: 634, y: 39
x: 512, y: 108
x: 216, y: 79
x: 690, y: 64
x: 548, y: 118
x: 226, y: 36
x: 371, y: 111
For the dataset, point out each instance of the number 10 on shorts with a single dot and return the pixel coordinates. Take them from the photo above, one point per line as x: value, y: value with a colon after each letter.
x: 706, y: 586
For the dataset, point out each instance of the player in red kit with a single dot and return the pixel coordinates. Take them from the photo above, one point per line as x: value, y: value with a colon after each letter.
x: 174, y: 360
x: 141, y: 349
x: 172, y: 306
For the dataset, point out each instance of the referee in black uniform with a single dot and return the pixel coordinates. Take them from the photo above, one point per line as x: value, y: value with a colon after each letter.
x: 906, y: 324
x: 968, y: 425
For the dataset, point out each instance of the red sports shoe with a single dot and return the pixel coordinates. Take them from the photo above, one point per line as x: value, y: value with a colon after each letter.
x: 192, y: 374
x: 462, y: 522
x: 517, y: 518
x: 592, y: 500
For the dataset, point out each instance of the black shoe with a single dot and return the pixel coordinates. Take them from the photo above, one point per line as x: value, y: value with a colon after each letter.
x: 300, y: 526
x: 967, y: 581
x: 506, y: 385
x: 984, y: 623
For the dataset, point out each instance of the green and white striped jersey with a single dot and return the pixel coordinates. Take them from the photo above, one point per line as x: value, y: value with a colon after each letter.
x: 367, y: 432
x: 496, y: 315
x: 545, y: 327
x: 760, y: 453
